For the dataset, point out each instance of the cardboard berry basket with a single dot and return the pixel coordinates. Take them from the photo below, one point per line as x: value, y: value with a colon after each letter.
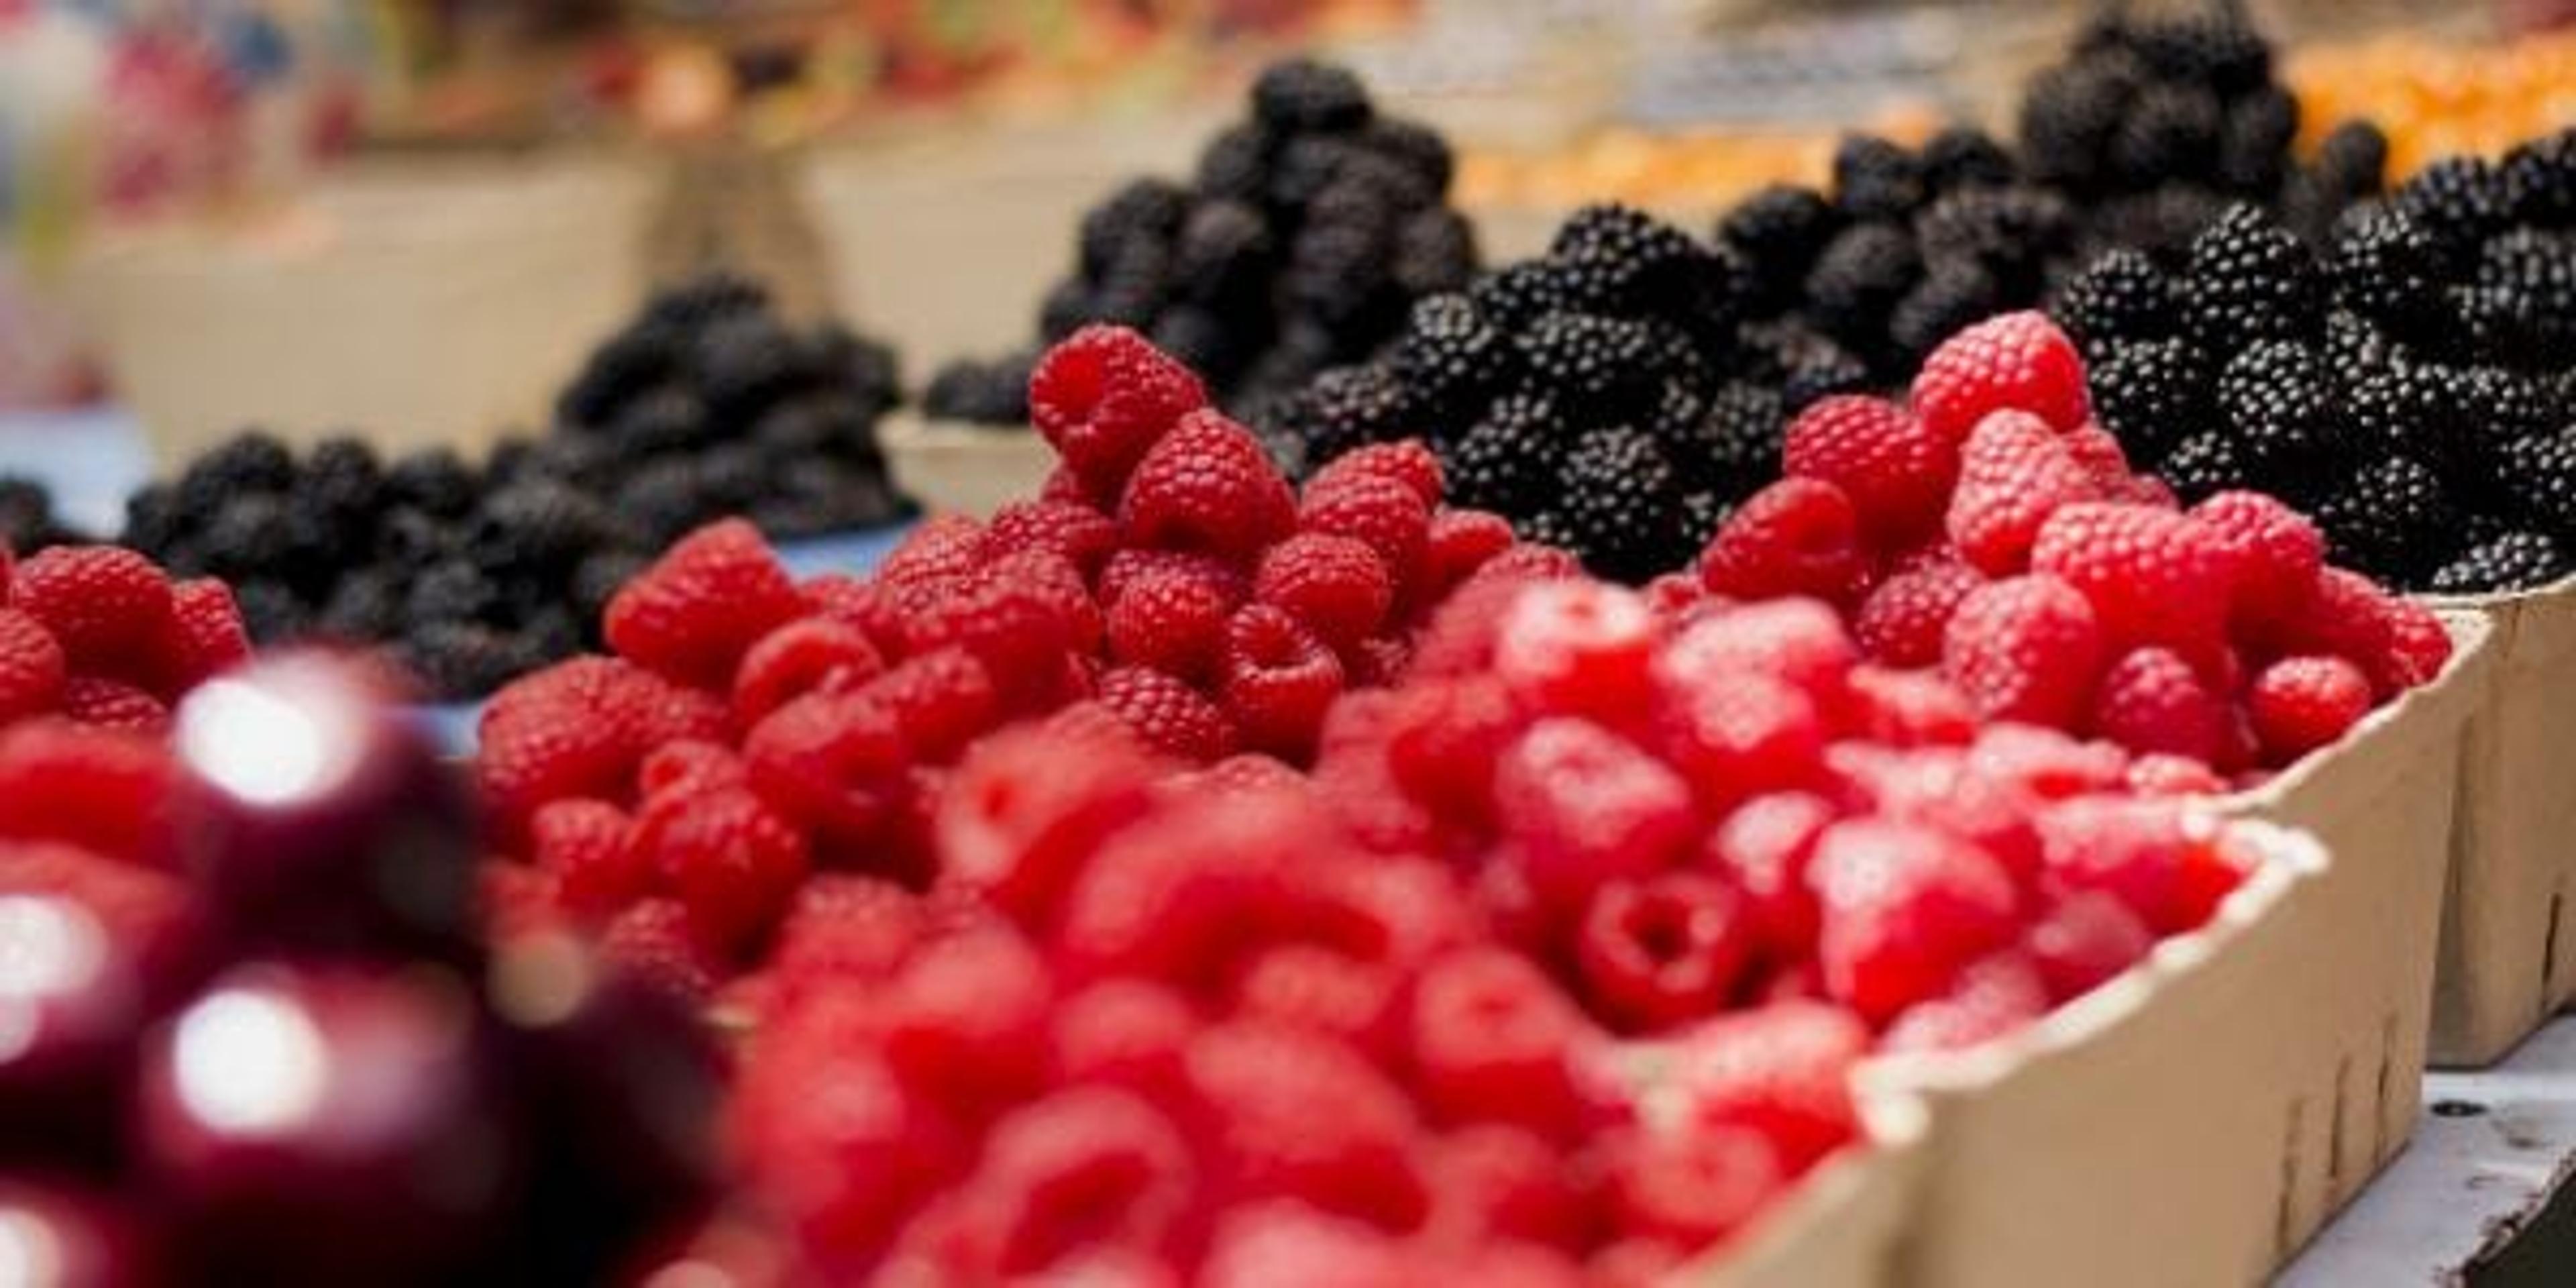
x: 956, y: 468
x: 2507, y: 959
x: 2195, y: 1121
x: 1840, y: 1227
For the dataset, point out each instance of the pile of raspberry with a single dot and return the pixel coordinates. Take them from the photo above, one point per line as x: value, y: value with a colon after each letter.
x: 2413, y: 386
x: 1305, y: 232
x: 1987, y: 528
x: 750, y: 729
x: 100, y: 636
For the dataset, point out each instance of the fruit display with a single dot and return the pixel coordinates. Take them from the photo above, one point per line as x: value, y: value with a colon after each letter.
x: 1988, y: 528
x: 282, y: 1067
x: 98, y: 636
x: 27, y: 519
x: 2413, y: 388
x: 1306, y: 231
x: 750, y: 729
x: 2440, y: 98
x: 706, y: 405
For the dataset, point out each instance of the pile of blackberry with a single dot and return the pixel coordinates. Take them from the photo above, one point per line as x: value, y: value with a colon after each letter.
x: 1602, y: 396
x: 2413, y: 386
x: 705, y: 406
x: 1298, y: 244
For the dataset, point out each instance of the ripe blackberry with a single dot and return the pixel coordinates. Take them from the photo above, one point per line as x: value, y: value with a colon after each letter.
x: 2353, y: 159
x: 540, y: 526
x: 1962, y: 155
x: 2119, y: 297
x: 452, y: 591
x: 2254, y: 141
x: 152, y: 523
x: 1948, y: 299
x: 1622, y: 505
x: 627, y: 364
x: 2012, y: 233
x: 1778, y: 231
x: 2278, y: 402
x: 1348, y: 407
x: 982, y: 393
x: 2203, y: 463
x: 2459, y: 202
x: 2392, y: 519
x: 2068, y: 116
x: 1616, y: 259
x: 1435, y: 250
x: 432, y: 480
x: 667, y: 419
x: 1858, y: 279
x: 2381, y: 264
x: 1876, y: 179
x: 1142, y: 212
x: 1301, y: 94
x: 1506, y: 461
x: 2529, y: 276
x: 366, y: 606
x: 2538, y: 474
x: 599, y: 576
x: 1519, y: 294
x: 2406, y: 408
x: 2161, y: 221
x: 464, y: 657
x: 2166, y: 132
x: 2539, y: 180
x: 2249, y: 280
x: 1806, y: 365
x: 708, y: 297
x: 2153, y: 395
x: 1600, y: 364
x: 1225, y: 250
x: 1449, y: 360
x: 251, y: 461
x: 2514, y: 561
x: 252, y: 535
x: 270, y: 611
x: 1235, y: 165
x: 1736, y: 445
x: 1415, y: 147
x: 2216, y: 49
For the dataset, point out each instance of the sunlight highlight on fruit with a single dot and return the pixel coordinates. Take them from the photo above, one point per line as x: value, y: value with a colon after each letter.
x: 259, y: 746
x: 250, y: 1062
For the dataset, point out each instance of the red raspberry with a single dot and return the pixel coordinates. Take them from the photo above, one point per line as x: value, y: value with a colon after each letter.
x: 725, y: 855
x: 1577, y: 647
x: 32, y: 668
x: 514, y: 901
x: 108, y: 607
x: 866, y: 605
x: 966, y: 1022
x: 940, y: 702
x: 1795, y: 537
x: 842, y: 928
x: 1906, y: 708
x: 1676, y: 599
x: 1260, y: 1086
x: 1764, y: 848
x: 1492, y: 1183
x: 1798, y: 641
x: 1196, y: 886
x: 1901, y: 621
x: 1407, y: 462
x: 1060, y: 584
x: 1337, y: 586
x: 1458, y: 543
x: 2025, y: 648
x: 658, y: 943
x: 2418, y: 646
x: 1386, y: 515
x: 799, y: 658
x: 1015, y: 627
x: 1444, y: 740
x: 2160, y: 775
x: 2276, y: 551
x: 1731, y: 741
x: 1103, y: 397
x: 2145, y: 853
x: 1079, y: 534
x: 152, y: 919
x: 1586, y: 806
x: 2084, y: 940
x: 1131, y: 567
x: 1658, y: 952
x: 1494, y: 1041
x: 691, y: 764
x: 1170, y: 716
x: 2014, y: 360
x: 1333, y: 995
x: 1082, y: 1169
x: 2045, y: 762
x: 2098, y: 451
x: 1783, y: 1072
x: 1026, y: 809
x: 2014, y: 472
x: 940, y: 548
x: 1127, y: 1033
x: 1171, y: 621
x: 1904, y: 907
x: 1207, y: 487
x: 2344, y: 614
x: 1062, y: 485
x: 2153, y: 576
x: 1276, y: 1244
x: 2151, y: 700
x: 708, y: 598
x: 1896, y: 471
x: 832, y: 1141
x: 833, y: 762
x: 2302, y: 703
x: 1946, y: 789
x: 208, y: 637
x: 589, y: 847
x: 1279, y: 680
x: 104, y: 790
x: 1691, y: 1188
x: 1993, y: 996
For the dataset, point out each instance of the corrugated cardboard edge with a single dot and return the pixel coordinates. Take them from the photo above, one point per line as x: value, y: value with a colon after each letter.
x: 1840, y: 1228
x: 956, y: 468
x: 2507, y: 962
x: 2196, y: 1121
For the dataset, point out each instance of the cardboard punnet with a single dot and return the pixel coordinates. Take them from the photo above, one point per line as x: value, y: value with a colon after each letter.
x: 954, y: 468
x: 1839, y: 1229
x: 2197, y: 1120
x: 2507, y: 957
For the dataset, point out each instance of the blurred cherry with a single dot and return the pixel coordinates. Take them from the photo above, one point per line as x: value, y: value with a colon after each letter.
x: 55, y: 1236
x: 318, y: 818
x: 80, y: 975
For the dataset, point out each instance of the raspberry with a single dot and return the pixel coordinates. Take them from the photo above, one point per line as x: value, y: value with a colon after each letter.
x: 2276, y: 551
x: 940, y: 702
x: 1083, y: 1168
x: 1170, y: 620
x: 1014, y: 628
x: 209, y: 635
x: 1301, y: 986
x: 2141, y: 852
x: 725, y: 855
x: 1900, y: 621
x: 2343, y: 614
x: 1278, y: 681
x: 1895, y: 470
x: 2150, y: 700
x: 1693, y: 1188
x: 1079, y: 534
x: 589, y: 847
x: 1027, y: 808
x: 710, y: 597
x: 1492, y: 1183
x: 1444, y: 741
x: 2025, y: 648
x: 1907, y: 708
x: 831, y: 1138
x: 1207, y: 487
x: 2083, y: 941
x: 657, y: 942
x: 965, y: 1023
x: 1196, y: 886
x: 1904, y: 907
x: 1124, y: 1033
x: 1458, y: 543
x: 1054, y: 580
x: 1764, y: 848
x: 1260, y: 1085
x: 1798, y: 641
x: 1103, y: 397
x: 1132, y: 566
x: 2418, y: 647
x: 514, y: 901
x: 1586, y: 806
x: 102, y: 790
x: 1289, y: 1243
x: 2302, y: 703
x: 1493, y: 1041
x: 941, y: 548
x: 1407, y: 462
x: 2016, y: 360
x: 2153, y: 576
x: 1795, y: 537
x: 1337, y: 586
x: 1169, y: 715
x: 2160, y: 775
x: 108, y: 607
x: 833, y: 762
x: 1658, y: 952
x: 32, y: 668
x: 798, y: 658
x: 2045, y: 762
x: 1993, y: 996
x: 1385, y: 514
x: 1577, y: 646
x: 2014, y: 472
x: 1754, y: 735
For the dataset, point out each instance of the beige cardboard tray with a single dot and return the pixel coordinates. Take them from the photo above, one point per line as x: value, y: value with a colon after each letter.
x: 2507, y: 962
x: 1840, y: 1228
x: 954, y: 468
x: 2197, y: 1120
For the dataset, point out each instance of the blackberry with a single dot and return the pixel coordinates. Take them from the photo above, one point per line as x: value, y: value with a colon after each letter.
x: 626, y: 364
x: 1348, y: 407
x: 2068, y: 116
x: 2530, y: 275
x: 2214, y: 49
x: 366, y: 606
x: 2203, y: 463
x: 2162, y: 221
x: 451, y: 591
x: 2005, y: 231
x: 539, y: 525
x: 343, y: 477
x: 2279, y: 404
x: 2353, y: 159
x: 1962, y: 155
x: 2153, y: 395
x: 152, y: 523
x: 2254, y: 141
x: 2407, y: 408
x: 1876, y: 179
x: 412, y: 538
x: 1619, y: 260
x: 1069, y: 305
x: 1301, y: 94
x: 1778, y: 232
x: 251, y: 461
x: 2120, y: 297
x: 253, y: 534
x: 1948, y: 299
x: 686, y: 306
x: 1602, y: 364
x: 1200, y: 339
x: 432, y: 480
x: 1736, y: 445
x: 2392, y: 519
x: 599, y: 576
x: 1143, y: 212
x: 460, y: 659
x: 984, y: 393
x: 1435, y: 250
x: 2250, y: 280
x: 2539, y: 180
x: 1517, y: 295
x: 669, y: 419
x: 1504, y: 462
x: 2459, y: 202
x: 270, y: 611
x: 1235, y: 165
x: 1134, y: 285
x: 2382, y: 265
x: 1417, y: 148
x: 1225, y: 250
x: 663, y: 499
x: 1449, y: 360
x: 2538, y: 474
x: 1622, y: 505
x: 1857, y: 281
x: 2514, y: 561
x: 1703, y: 513
x: 2167, y: 132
